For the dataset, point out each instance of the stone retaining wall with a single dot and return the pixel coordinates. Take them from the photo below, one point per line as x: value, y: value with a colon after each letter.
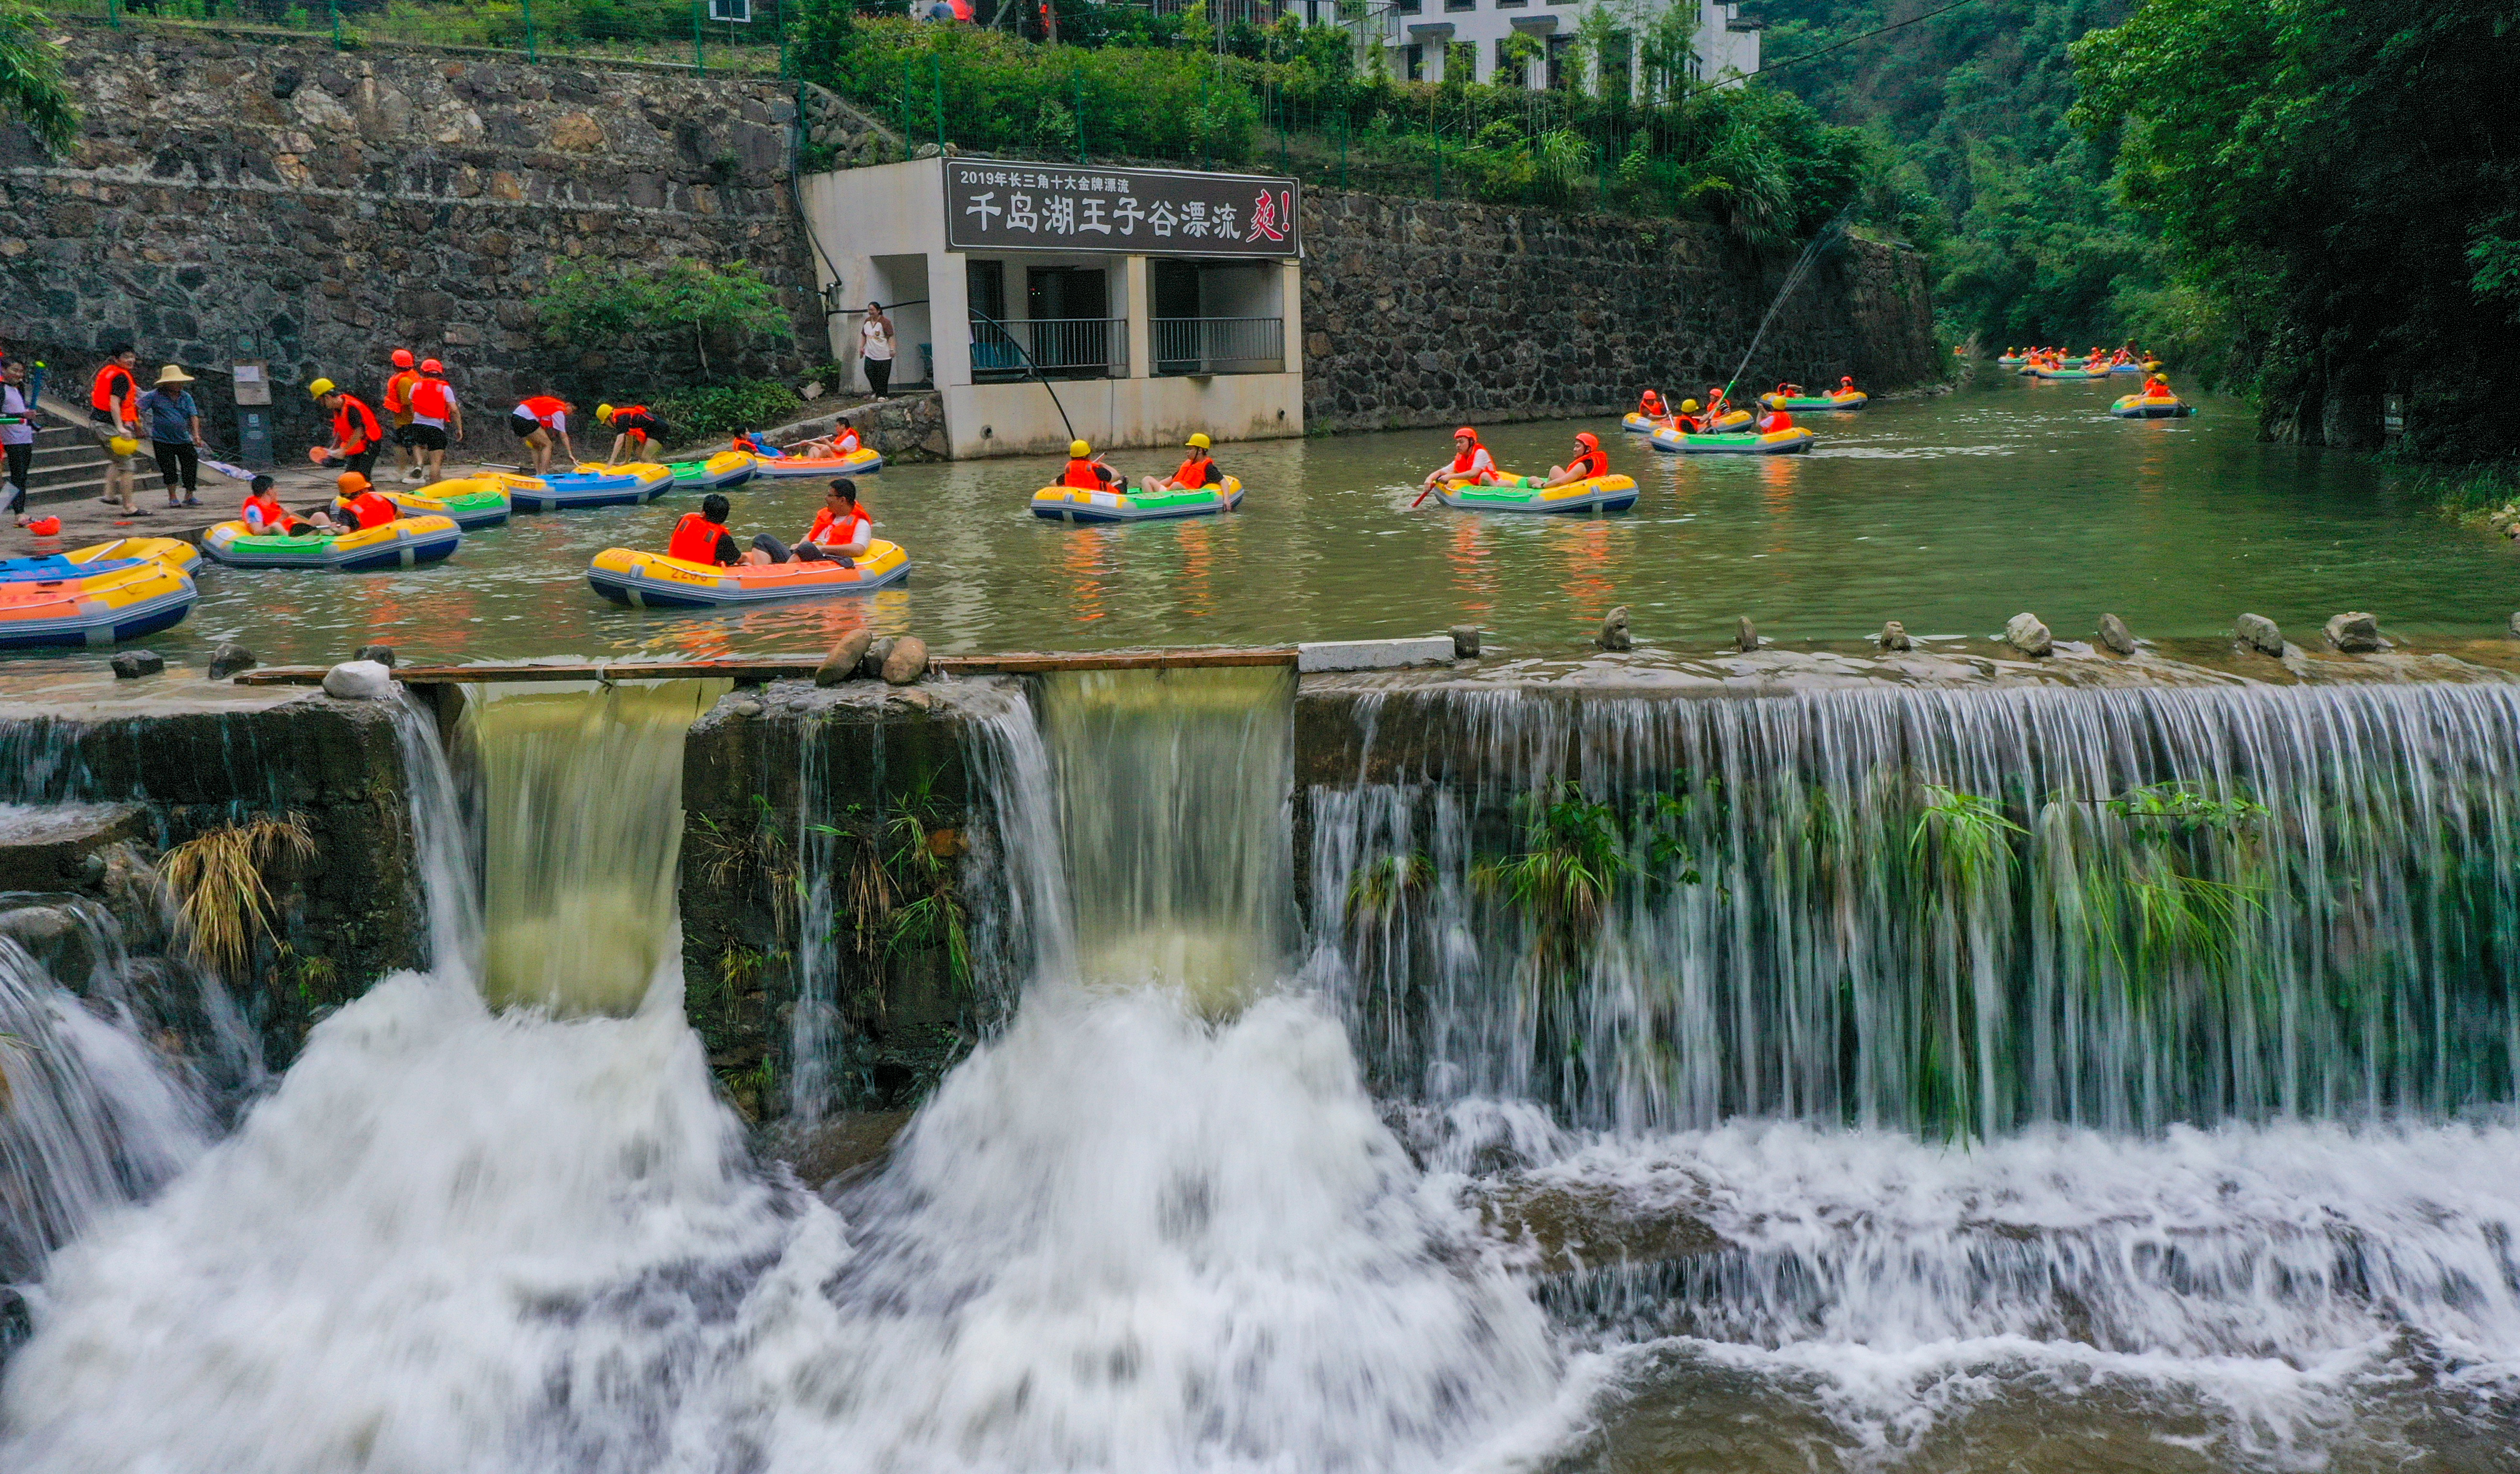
x: 1429, y: 311
x: 254, y: 198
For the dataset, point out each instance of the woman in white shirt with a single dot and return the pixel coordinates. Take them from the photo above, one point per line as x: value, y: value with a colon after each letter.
x: 874, y: 345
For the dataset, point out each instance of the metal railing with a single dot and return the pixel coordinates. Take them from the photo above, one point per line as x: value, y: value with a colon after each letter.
x: 1057, y: 348
x: 1219, y: 346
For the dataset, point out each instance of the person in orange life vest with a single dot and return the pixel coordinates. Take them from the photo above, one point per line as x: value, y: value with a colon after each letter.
x: 1790, y: 391
x: 702, y: 537
x: 1846, y: 384
x: 636, y: 425
x: 541, y: 421
x: 1086, y: 473
x: 1717, y: 406
x: 1652, y: 406
x: 360, y: 505
x: 1774, y: 421
x: 842, y: 439
x: 357, y: 438
x: 114, y: 408
x: 433, y: 415
x: 1471, y: 462
x: 2156, y: 387
x: 397, y: 408
x: 1590, y: 461
x: 840, y: 533
x: 1196, y: 470
x: 264, y: 514
x: 1687, y: 421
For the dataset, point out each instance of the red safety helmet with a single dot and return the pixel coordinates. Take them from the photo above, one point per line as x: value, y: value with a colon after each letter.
x: 402, y: 358
x: 1585, y: 438
x: 1467, y: 430
x: 431, y: 366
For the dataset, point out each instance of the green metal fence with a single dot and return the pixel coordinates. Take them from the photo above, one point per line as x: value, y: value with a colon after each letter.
x: 699, y: 35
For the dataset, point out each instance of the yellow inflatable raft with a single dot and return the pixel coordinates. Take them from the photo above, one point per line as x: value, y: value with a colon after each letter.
x: 652, y: 581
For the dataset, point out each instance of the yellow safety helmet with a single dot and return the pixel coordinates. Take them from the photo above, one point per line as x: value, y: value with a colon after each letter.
x: 318, y: 388
x: 1688, y: 404
x: 123, y: 446
x: 1201, y: 441
x: 603, y: 414
x: 1078, y: 450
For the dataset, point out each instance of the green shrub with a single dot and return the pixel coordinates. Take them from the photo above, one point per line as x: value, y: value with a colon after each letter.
x: 712, y: 410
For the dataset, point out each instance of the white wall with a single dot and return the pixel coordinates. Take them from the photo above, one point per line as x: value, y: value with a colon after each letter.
x: 1719, y: 49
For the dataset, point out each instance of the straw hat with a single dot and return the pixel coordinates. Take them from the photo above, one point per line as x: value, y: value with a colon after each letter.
x: 171, y: 374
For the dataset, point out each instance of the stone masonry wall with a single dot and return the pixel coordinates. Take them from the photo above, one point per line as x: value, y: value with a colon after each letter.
x: 1429, y: 311
x: 320, y: 209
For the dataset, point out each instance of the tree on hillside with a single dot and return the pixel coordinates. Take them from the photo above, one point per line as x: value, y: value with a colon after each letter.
x: 2342, y: 179
x: 30, y: 77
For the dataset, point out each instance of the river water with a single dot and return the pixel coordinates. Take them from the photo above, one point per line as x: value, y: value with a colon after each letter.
x: 1950, y: 514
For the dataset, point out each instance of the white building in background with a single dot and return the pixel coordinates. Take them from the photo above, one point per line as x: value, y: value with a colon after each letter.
x: 1471, y: 40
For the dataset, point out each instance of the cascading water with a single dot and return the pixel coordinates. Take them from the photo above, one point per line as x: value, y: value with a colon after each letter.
x: 2143, y: 1058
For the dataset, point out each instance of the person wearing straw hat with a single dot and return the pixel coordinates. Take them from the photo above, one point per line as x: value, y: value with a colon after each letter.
x: 173, y: 423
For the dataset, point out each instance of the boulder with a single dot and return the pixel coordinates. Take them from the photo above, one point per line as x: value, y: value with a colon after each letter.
x: 845, y: 658
x: 2024, y: 632
x: 359, y: 680
x: 1466, y: 641
x: 132, y: 664
x: 1894, y: 636
x: 2515, y: 623
x: 2259, y: 633
x: 1745, y: 635
x: 382, y: 654
x: 229, y: 659
x: 1614, y: 633
x: 871, y: 664
x: 2115, y: 635
x: 906, y: 663
x: 2356, y: 633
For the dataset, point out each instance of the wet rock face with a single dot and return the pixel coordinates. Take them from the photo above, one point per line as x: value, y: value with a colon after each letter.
x: 2024, y: 632
x: 2259, y: 633
x: 332, y: 204
x: 2115, y: 637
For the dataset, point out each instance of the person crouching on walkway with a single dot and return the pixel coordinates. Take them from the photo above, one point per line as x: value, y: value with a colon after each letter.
x: 1195, y: 471
x: 542, y: 423
x: 357, y: 438
x: 635, y: 428
x: 174, y: 424
x: 1590, y: 461
x: 1471, y: 463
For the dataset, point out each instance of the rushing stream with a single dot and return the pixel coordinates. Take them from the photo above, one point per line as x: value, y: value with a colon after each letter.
x: 1920, y: 1095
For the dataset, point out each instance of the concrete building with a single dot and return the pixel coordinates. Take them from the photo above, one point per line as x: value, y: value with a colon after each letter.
x: 1144, y: 303
x: 1473, y: 40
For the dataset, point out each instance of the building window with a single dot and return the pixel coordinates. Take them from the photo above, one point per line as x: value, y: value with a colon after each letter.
x: 1460, y: 4
x: 1407, y: 7
x: 1462, y: 61
x: 1414, y: 58
x: 1619, y: 68
x: 1511, y: 3
x: 1508, y: 64
x: 738, y: 11
x: 1562, y: 66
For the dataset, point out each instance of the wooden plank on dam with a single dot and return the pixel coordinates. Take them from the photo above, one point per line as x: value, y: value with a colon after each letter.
x: 757, y: 669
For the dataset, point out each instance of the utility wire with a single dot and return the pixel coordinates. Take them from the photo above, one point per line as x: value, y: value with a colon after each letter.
x: 1796, y: 61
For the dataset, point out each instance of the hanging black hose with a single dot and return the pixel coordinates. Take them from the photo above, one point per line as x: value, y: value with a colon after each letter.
x: 1803, y: 264
x: 1009, y: 338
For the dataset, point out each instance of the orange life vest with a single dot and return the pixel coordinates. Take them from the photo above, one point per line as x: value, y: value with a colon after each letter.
x: 369, y: 510
x: 354, y: 434
x: 430, y: 401
x: 1779, y: 420
x: 847, y: 440
x: 840, y: 531
x: 1197, y: 470
x: 1591, y: 463
x: 274, y: 517
x: 398, y: 392
x: 1085, y: 475
x: 696, y: 538
x: 1472, y: 461
x: 102, y: 395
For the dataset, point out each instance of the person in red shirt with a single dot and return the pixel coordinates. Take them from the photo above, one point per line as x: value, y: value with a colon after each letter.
x: 541, y: 421
x: 1471, y: 462
x: 357, y: 438
x: 1197, y: 469
x: 1590, y: 461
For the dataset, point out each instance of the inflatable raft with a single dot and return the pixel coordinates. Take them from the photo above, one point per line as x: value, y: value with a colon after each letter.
x: 472, y: 501
x: 122, y: 602
x: 1748, y: 442
x: 859, y: 462
x: 2152, y: 407
x: 726, y: 468
x: 1637, y: 422
x: 404, y: 542
x: 2126, y: 368
x: 103, y: 557
x: 2066, y: 373
x: 2009, y: 360
x: 1853, y: 399
x: 1600, y: 493
x: 1077, y: 504
x: 592, y: 484
x: 652, y: 581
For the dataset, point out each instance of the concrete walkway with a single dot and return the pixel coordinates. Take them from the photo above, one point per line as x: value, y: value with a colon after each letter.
x: 87, y: 520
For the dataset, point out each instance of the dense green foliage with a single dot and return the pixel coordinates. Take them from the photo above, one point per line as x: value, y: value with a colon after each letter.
x: 30, y: 77
x: 1757, y: 161
x: 582, y: 308
x: 2344, y: 180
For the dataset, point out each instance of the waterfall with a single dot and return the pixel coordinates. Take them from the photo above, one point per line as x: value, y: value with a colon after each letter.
x: 1954, y: 913
x: 581, y: 829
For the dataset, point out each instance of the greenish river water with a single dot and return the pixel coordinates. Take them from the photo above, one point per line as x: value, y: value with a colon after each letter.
x: 1950, y: 514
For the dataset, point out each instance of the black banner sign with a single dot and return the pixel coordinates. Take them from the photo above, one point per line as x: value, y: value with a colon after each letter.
x: 1008, y: 204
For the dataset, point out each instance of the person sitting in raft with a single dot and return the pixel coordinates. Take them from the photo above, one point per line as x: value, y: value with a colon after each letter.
x: 842, y: 440
x: 2156, y: 387
x: 841, y: 531
x: 1085, y: 473
x: 1773, y: 421
x: 357, y: 505
x: 266, y: 517
x: 1590, y: 461
x: 1652, y: 406
x: 702, y: 537
x: 1687, y: 421
x: 634, y: 426
x: 1196, y: 470
x: 752, y: 445
x: 1846, y: 384
x: 1790, y: 391
x: 1471, y: 462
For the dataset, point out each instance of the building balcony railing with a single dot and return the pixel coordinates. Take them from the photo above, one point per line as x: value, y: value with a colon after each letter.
x: 1218, y: 345
x: 1055, y: 347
